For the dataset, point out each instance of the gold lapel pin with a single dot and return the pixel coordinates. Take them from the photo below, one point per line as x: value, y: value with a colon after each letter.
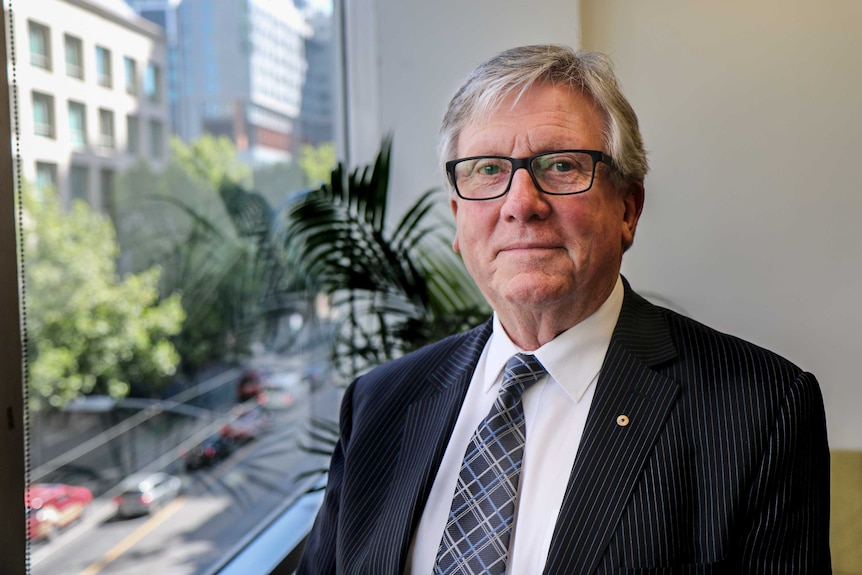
x: 622, y: 420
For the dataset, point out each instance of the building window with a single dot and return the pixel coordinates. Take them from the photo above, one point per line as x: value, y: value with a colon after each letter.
x: 74, y: 57
x: 103, y: 67
x: 153, y: 83
x: 79, y: 181
x: 46, y: 178
x: 77, y: 124
x: 106, y: 128
x: 43, y: 115
x: 133, y: 135
x: 131, y: 70
x: 40, y: 46
x: 106, y: 192
x: 157, y: 147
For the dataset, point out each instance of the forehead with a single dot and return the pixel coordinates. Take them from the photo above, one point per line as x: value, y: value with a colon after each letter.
x: 543, y: 117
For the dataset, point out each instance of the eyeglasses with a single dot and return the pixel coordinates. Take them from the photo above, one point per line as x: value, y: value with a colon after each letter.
x: 557, y: 173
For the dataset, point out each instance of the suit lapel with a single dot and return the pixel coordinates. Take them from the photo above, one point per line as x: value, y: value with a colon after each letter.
x: 629, y: 411
x: 427, y: 426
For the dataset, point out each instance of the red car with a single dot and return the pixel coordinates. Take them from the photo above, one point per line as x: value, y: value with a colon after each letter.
x: 53, y: 506
x: 250, y: 385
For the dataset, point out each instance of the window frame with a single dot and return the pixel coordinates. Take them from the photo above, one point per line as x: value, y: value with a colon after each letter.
x: 37, y: 99
x: 45, y: 63
x: 83, y: 142
x: 73, y: 70
x: 13, y: 543
x: 104, y: 68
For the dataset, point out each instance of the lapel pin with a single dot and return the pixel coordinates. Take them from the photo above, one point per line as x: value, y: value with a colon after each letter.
x: 622, y: 420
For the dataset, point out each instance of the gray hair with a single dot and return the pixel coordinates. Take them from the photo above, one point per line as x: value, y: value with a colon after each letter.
x: 514, y: 71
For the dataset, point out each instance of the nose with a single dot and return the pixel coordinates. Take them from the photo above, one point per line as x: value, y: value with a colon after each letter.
x: 524, y: 201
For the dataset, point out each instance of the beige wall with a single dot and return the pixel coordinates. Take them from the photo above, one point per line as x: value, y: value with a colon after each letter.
x: 752, y: 113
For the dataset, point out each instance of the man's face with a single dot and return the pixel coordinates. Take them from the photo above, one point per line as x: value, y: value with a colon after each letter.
x: 534, y: 253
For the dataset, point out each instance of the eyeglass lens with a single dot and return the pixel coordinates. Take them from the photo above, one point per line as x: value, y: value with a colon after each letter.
x: 555, y: 173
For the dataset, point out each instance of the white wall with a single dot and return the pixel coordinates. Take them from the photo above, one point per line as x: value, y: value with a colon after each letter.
x: 408, y: 57
x: 752, y: 113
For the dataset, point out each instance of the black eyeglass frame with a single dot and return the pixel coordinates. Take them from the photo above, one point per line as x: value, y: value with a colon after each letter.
x: 527, y: 164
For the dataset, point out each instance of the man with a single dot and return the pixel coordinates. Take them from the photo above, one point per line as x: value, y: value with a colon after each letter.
x: 623, y: 437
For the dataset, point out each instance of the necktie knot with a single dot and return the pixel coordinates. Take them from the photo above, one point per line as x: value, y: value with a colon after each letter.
x: 522, y: 370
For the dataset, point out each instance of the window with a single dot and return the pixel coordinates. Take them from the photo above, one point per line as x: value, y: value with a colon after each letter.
x: 79, y: 183
x: 77, y: 124
x: 43, y: 115
x: 106, y: 191
x: 106, y: 128
x: 133, y: 135
x: 133, y: 145
x: 46, y: 177
x: 103, y: 67
x: 153, y: 83
x: 131, y: 70
x: 74, y: 57
x: 157, y: 137
x: 40, y: 46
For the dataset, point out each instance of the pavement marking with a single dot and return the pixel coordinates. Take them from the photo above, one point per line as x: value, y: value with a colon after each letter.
x: 134, y: 537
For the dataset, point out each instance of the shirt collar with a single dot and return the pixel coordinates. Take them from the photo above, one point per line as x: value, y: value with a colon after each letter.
x: 573, y: 358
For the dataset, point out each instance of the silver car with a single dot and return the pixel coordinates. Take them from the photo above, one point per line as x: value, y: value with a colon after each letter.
x: 144, y: 493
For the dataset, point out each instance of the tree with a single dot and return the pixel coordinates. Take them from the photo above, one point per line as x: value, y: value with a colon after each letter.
x: 90, y: 331
x: 175, y: 219
x: 317, y: 163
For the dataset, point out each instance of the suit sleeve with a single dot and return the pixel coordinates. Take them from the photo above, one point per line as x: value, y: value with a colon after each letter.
x: 789, y: 499
x: 319, y: 557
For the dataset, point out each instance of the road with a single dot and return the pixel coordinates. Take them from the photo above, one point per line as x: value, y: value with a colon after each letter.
x: 219, y: 506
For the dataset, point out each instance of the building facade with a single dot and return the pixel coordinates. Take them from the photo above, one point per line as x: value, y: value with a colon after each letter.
x: 90, y: 88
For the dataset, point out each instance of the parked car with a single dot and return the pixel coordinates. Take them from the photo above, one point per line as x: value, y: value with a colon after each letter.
x: 248, y: 424
x: 53, y: 506
x: 250, y: 385
x: 208, y: 452
x: 144, y: 493
x: 280, y: 390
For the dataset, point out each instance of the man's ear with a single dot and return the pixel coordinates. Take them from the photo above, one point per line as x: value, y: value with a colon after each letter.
x: 633, y: 200
x: 453, y: 204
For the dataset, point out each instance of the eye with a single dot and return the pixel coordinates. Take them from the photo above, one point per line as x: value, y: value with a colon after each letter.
x: 489, y: 167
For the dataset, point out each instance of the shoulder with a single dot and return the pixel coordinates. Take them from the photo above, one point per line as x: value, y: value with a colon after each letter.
x: 429, y: 365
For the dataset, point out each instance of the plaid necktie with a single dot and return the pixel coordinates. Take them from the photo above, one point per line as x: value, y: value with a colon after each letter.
x: 477, y: 534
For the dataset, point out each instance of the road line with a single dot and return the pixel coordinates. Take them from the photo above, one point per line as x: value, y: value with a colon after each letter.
x: 134, y: 537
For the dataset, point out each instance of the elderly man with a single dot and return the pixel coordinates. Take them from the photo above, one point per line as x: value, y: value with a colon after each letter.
x: 581, y: 429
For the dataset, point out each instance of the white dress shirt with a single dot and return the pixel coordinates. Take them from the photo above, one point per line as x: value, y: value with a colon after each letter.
x: 555, y: 409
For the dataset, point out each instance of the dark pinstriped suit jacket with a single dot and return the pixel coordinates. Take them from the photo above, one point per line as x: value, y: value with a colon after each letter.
x: 723, y: 468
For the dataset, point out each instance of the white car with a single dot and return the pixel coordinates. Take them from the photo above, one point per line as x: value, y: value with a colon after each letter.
x: 144, y: 493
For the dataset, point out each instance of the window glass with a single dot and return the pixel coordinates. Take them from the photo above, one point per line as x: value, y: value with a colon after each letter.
x: 40, y: 46
x: 157, y: 138
x: 131, y: 69
x: 74, y: 57
x: 152, y: 82
x: 106, y: 128
x: 79, y: 182
x: 133, y: 135
x: 77, y: 124
x: 46, y: 177
x: 43, y: 115
x: 177, y: 365
x: 103, y: 66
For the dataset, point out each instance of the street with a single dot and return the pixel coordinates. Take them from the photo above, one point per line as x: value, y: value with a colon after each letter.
x: 218, y: 507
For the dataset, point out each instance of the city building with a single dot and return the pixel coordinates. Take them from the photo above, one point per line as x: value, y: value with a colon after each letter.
x: 238, y: 71
x: 90, y: 90
x: 318, y: 93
